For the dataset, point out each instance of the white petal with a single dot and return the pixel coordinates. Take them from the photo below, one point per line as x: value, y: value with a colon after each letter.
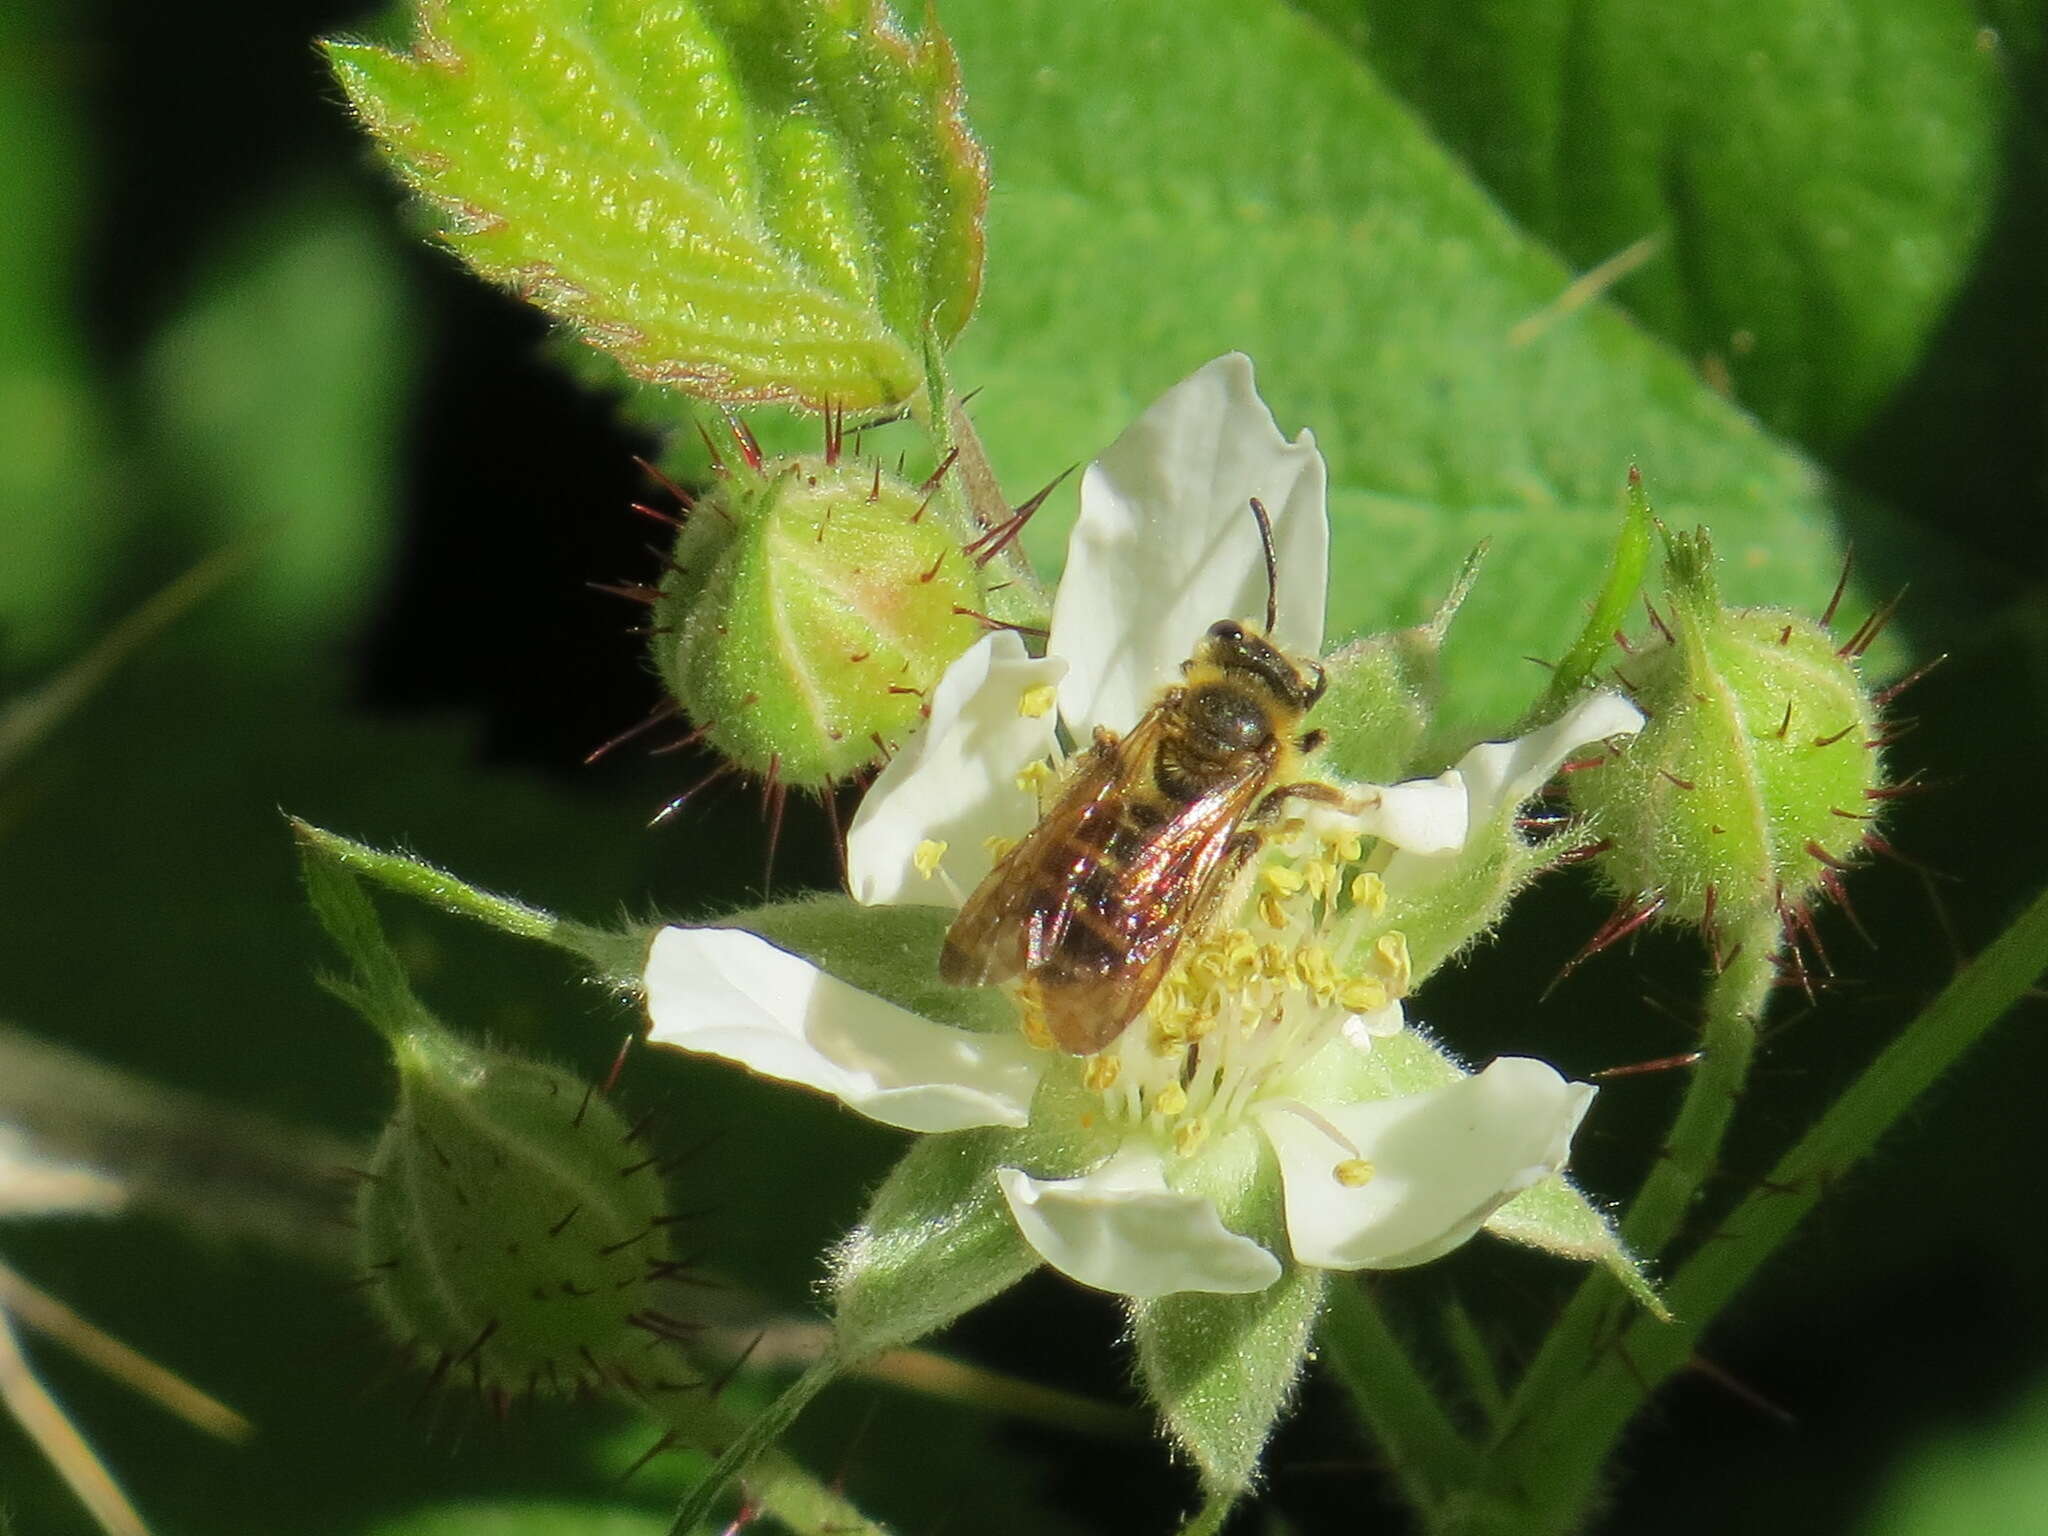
x: 1121, y: 1229
x: 955, y: 781
x: 1166, y: 545
x: 726, y: 992
x: 1426, y: 816
x: 1441, y: 1163
x: 1499, y: 775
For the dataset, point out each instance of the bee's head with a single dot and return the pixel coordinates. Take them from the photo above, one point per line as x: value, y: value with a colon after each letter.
x: 1246, y: 656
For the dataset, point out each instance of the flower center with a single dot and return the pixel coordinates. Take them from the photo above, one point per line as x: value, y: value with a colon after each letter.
x: 1249, y: 1002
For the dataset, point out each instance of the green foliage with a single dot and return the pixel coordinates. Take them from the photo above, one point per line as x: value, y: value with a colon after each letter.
x: 1807, y: 242
x: 747, y: 201
x: 1987, y: 1477
x: 1290, y: 205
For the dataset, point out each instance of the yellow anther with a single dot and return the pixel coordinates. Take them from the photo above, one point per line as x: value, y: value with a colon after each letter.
x: 1390, y: 959
x: 1369, y: 891
x: 1361, y: 994
x: 1271, y: 913
x: 925, y: 859
x: 998, y: 848
x: 1037, y: 702
x: 1348, y: 846
x: 1274, y: 961
x: 1189, y: 1135
x: 1199, y: 1024
x: 1321, y: 876
x: 1034, y: 776
x: 1352, y: 1173
x: 1282, y: 879
x: 1170, y: 1100
x: 1102, y: 1071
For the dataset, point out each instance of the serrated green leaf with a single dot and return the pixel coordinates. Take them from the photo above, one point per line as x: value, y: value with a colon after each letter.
x: 747, y: 200
x: 1158, y: 209
x: 1220, y: 1368
x: 1808, y: 239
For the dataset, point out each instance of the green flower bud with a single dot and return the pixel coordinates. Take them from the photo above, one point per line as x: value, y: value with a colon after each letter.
x: 811, y: 605
x: 1754, y: 779
x: 511, y: 1223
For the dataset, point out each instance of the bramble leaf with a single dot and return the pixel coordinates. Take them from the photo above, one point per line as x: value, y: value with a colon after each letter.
x: 747, y: 201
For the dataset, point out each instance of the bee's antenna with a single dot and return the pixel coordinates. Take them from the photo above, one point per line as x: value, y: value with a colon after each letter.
x: 1272, y: 564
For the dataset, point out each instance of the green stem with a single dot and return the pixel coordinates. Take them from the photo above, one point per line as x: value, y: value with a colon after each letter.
x: 1551, y: 1464
x: 1402, y: 1410
x: 1735, y: 1005
x: 754, y: 1442
x: 779, y: 1487
x: 1208, y: 1520
x: 1734, y: 1001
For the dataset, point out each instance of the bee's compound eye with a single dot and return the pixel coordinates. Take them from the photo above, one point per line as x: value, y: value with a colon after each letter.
x: 1226, y: 629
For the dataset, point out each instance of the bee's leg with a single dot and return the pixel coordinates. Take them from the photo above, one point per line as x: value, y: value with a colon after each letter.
x: 1311, y: 741
x: 1311, y: 789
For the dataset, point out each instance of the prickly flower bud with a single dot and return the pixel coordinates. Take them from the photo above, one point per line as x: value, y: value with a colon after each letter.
x: 811, y: 605
x: 1753, y: 781
x: 507, y: 1229
x: 510, y: 1222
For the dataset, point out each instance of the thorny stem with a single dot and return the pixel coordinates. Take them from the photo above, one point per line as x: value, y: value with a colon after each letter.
x: 752, y: 1448
x: 776, y: 1485
x: 1735, y: 1003
x: 1544, y: 1473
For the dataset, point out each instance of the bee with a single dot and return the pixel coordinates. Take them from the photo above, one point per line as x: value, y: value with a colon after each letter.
x: 1147, y: 836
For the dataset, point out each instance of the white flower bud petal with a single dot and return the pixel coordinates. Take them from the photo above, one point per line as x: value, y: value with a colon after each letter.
x: 1424, y: 816
x: 1166, y: 545
x: 1121, y: 1229
x: 1439, y: 1163
x: 1500, y: 775
x: 729, y: 993
x: 955, y: 782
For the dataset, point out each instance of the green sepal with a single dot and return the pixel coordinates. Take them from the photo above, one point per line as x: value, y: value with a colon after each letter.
x: 747, y: 201
x: 1381, y: 691
x: 937, y: 1240
x: 1625, y: 570
x: 615, y: 957
x: 1220, y: 1369
x: 892, y: 952
x: 1556, y: 1217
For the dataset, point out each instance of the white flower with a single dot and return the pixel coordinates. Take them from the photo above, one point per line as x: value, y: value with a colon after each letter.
x: 1279, y: 1039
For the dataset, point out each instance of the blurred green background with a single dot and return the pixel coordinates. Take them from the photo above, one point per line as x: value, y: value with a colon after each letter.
x: 218, y: 331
